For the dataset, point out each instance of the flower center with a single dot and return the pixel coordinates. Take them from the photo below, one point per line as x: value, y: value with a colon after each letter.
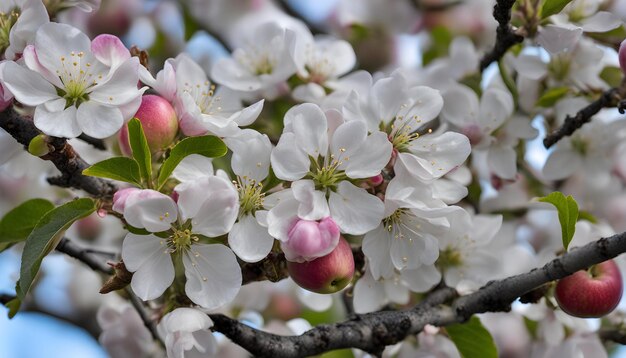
x: 77, y: 78
x: 450, y: 257
x: 7, y: 20
x: 559, y: 67
x: 401, y: 132
x: 257, y: 61
x: 325, y: 172
x: 204, y: 96
x: 251, y: 195
x: 181, y: 240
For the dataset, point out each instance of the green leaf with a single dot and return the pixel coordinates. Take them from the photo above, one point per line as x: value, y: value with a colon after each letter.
x: 46, y: 235
x: 117, y: 168
x: 13, y: 306
x: 19, y: 222
x: 472, y: 339
x: 612, y: 75
x: 551, y: 96
x: 208, y: 146
x: 141, y: 150
x: 568, y: 214
x: 551, y: 7
x: 441, y: 39
x: 585, y: 215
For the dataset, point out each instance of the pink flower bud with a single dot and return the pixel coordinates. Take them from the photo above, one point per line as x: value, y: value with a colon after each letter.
x: 622, y: 56
x: 308, y: 240
x: 376, y: 180
x: 120, y: 197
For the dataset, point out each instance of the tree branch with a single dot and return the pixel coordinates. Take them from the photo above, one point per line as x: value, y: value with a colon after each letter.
x: 62, y: 155
x: 69, y: 248
x: 372, y: 332
x: 505, y: 36
x: 94, y: 142
x: 610, y: 98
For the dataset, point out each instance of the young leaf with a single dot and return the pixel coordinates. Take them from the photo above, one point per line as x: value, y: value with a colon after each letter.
x: 551, y: 96
x: 208, y: 146
x: 19, y: 222
x: 141, y: 151
x: 118, y: 168
x: 568, y: 214
x: 472, y: 339
x: 46, y: 235
x: 551, y: 7
x: 13, y: 306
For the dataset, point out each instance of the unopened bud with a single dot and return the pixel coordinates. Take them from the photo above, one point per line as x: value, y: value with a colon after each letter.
x: 119, y: 280
x: 309, y: 240
x: 38, y: 146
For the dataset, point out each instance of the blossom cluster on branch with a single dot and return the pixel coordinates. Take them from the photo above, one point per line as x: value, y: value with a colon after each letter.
x: 255, y: 164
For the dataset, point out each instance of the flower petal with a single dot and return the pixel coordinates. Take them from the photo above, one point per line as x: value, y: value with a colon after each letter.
x: 109, y: 50
x: 310, y: 127
x: 192, y: 167
x: 288, y: 161
x: 99, y: 121
x: 250, y: 241
x: 147, y: 256
x: 151, y: 210
x: 372, y: 156
x: 57, y: 122
x: 213, y: 275
x: 55, y: 41
x: 27, y: 86
x: 354, y: 209
x: 376, y: 246
x: 219, y: 210
x: 121, y: 87
x: 313, y: 204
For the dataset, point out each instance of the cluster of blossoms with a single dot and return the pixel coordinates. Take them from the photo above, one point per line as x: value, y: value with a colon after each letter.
x: 413, y: 168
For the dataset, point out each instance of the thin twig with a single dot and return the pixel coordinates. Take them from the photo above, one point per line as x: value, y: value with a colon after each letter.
x: 94, y: 142
x: 608, y: 99
x: 505, y: 35
x: 69, y: 248
x: 141, y: 310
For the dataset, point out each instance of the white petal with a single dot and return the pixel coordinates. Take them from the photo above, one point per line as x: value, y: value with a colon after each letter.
x: 496, y: 106
x: 313, y: 204
x: 461, y: 106
x: 390, y: 97
x: 248, y: 115
x: 249, y: 240
x: 315, y: 301
x: 376, y: 246
x: 121, y: 87
x: 601, y: 21
x: 309, y: 125
x: 502, y: 161
x: 55, y: 41
x: 427, y: 104
x: 288, y: 161
x: 151, y: 210
x: 60, y: 123
x: 109, y: 50
x: 369, y: 295
x: 347, y: 139
x: 561, y: 164
x: 27, y: 86
x: 422, y: 278
x: 448, y: 190
x: 229, y: 73
x: 371, y: 157
x: 251, y: 154
x: 557, y: 39
x: 281, y: 217
x: 354, y: 209
x: 148, y: 257
x: 192, y: 167
x: 531, y: 66
x: 433, y: 156
x: 99, y: 121
x: 219, y: 210
x: 213, y: 275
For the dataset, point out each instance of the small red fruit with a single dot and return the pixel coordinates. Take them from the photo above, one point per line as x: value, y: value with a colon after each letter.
x: 159, y: 122
x: 326, y: 274
x: 592, y: 293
